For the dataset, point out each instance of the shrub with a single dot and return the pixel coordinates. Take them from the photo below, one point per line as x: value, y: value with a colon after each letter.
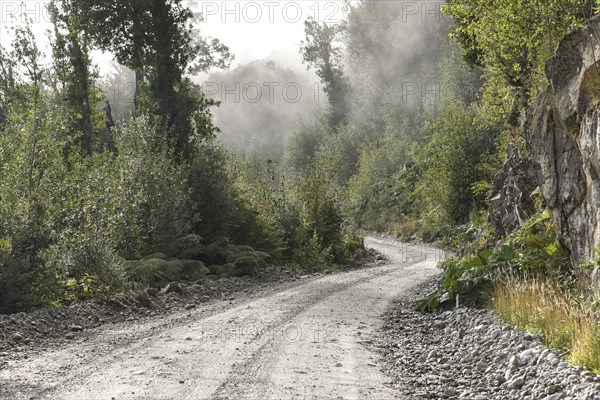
x: 155, y: 272
x: 154, y: 212
x: 531, y: 251
x: 211, y: 197
x: 193, y: 271
x: 452, y: 163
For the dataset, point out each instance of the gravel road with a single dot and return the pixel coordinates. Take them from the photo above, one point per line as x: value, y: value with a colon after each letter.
x: 311, y: 339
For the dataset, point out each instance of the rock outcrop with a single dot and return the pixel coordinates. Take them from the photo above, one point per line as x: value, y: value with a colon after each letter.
x: 511, y: 201
x: 564, y: 139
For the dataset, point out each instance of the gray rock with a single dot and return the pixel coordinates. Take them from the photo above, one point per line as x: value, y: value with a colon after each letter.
x: 480, y: 366
x: 423, y: 395
x: 433, y: 354
x: 495, y: 333
x: 510, y: 203
x: 553, y: 389
x: 517, y: 382
x: 450, y: 392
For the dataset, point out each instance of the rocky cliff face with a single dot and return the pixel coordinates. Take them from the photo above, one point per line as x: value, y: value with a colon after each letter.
x: 564, y: 138
x: 511, y: 201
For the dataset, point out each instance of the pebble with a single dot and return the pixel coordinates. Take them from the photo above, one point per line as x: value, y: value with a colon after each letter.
x: 481, y: 366
x: 517, y: 382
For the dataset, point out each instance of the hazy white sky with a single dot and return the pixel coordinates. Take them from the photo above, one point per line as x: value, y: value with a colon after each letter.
x: 252, y: 29
x: 262, y: 29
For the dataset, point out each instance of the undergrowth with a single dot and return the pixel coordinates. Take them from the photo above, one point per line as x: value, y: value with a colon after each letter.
x: 526, y: 279
x: 531, y: 250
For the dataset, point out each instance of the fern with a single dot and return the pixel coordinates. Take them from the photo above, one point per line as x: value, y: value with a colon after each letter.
x: 193, y: 270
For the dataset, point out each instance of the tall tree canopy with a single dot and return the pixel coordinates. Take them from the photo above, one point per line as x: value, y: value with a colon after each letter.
x: 321, y: 51
x: 156, y: 38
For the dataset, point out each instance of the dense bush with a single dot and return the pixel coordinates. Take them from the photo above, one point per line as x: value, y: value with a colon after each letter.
x: 453, y: 163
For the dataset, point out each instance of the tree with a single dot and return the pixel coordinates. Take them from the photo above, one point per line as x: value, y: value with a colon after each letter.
x: 453, y: 162
x: 514, y: 38
x: 322, y: 51
x: 72, y: 66
x: 156, y: 39
x: 31, y: 143
x: 9, y: 85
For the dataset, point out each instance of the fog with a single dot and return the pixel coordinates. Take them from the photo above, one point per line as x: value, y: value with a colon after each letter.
x: 391, y: 56
x: 261, y: 102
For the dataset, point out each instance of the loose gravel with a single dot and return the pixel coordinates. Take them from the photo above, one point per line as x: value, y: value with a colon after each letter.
x: 467, y: 353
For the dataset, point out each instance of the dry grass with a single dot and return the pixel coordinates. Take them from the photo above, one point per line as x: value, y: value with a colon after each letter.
x: 542, y: 307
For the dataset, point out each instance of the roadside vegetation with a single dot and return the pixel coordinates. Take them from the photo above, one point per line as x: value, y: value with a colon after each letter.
x: 522, y: 273
x: 557, y: 315
x: 91, y: 205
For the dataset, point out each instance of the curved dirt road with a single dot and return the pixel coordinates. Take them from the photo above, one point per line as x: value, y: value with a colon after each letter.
x: 306, y: 340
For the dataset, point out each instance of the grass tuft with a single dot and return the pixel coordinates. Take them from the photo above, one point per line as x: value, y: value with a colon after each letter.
x: 542, y: 307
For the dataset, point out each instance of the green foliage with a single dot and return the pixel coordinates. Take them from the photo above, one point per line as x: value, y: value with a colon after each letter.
x: 158, y: 200
x: 304, y: 144
x: 31, y: 171
x: 514, y: 37
x: 532, y: 252
x: 255, y: 214
x: 157, y: 40
x: 154, y: 196
x: 74, y: 76
x: 375, y: 196
x: 150, y: 272
x: 193, y: 270
x: 452, y: 163
x: 83, y: 289
x: 511, y: 42
x: 210, y: 192
x: 319, y: 207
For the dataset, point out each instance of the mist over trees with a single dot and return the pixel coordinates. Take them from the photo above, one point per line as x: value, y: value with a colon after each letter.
x: 260, y: 104
x: 404, y: 89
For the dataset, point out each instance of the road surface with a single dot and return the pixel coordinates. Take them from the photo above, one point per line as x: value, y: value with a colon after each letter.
x: 305, y: 340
